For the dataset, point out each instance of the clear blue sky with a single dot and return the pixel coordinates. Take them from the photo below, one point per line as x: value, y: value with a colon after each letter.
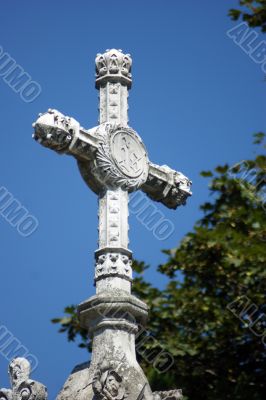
x: 196, y: 100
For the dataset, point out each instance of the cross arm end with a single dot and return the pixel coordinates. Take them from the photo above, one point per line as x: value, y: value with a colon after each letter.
x: 167, y: 186
x: 64, y: 135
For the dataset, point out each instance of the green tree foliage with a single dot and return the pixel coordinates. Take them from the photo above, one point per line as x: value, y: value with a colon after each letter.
x: 211, y: 315
x: 253, y: 12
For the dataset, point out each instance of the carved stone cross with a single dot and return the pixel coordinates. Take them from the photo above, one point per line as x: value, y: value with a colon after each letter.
x: 113, y: 161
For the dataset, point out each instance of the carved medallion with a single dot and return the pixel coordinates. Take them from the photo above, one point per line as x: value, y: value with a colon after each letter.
x: 128, y: 153
x: 122, y: 159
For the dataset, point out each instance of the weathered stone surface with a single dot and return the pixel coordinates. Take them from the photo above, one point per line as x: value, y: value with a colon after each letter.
x: 101, y: 162
x: 108, y: 380
x: 79, y: 384
x: 113, y: 161
x: 170, y: 395
x: 23, y: 388
x: 106, y: 383
x: 5, y: 394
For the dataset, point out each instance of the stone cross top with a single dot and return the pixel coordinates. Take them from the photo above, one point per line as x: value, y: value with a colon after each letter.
x: 113, y: 161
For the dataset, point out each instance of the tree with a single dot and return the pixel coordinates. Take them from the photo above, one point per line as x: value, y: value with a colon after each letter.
x: 210, y: 317
x: 254, y: 13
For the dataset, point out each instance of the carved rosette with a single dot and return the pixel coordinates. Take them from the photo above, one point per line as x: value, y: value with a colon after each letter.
x: 113, y: 221
x: 113, y: 105
x: 121, y: 159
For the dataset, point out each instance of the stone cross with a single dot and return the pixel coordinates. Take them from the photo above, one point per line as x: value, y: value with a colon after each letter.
x: 113, y: 161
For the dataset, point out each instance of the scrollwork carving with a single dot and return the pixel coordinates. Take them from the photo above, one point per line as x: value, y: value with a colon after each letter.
x: 31, y: 390
x: 108, y: 384
x: 23, y: 388
x: 6, y: 394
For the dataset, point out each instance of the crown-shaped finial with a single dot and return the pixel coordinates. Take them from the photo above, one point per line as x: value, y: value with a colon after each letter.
x: 113, y: 66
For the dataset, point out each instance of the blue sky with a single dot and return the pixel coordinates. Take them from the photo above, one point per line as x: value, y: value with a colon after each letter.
x: 196, y: 100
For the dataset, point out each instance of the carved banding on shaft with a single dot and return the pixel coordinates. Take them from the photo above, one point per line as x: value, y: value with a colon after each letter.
x: 113, y: 264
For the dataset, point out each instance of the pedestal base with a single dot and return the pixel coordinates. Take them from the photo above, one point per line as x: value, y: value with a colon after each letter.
x: 85, y: 383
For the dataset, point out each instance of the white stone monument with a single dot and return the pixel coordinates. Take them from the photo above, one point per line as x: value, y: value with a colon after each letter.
x: 113, y: 161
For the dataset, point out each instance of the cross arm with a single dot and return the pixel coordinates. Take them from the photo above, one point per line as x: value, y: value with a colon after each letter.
x: 64, y: 134
x: 167, y: 186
